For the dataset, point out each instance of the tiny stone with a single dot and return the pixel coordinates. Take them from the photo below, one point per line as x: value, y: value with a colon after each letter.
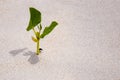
x: 40, y: 49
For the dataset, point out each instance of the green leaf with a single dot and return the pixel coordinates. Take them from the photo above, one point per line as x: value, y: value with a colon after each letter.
x: 47, y: 30
x: 35, y: 18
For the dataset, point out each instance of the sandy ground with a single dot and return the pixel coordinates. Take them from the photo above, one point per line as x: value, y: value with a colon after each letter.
x: 84, y: 46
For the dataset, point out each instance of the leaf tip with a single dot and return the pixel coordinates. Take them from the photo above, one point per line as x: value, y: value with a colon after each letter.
x: 55, y: 22
x: 27, y: 29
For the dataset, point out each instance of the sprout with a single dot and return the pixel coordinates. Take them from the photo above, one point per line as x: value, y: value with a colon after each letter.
x: 35, y: 21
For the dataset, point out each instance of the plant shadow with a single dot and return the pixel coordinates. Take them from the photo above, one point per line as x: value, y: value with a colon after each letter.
x: 17, y: 51
x: 33, y: 59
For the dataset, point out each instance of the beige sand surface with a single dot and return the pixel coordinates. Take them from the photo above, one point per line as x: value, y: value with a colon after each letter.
x: 84, y: 46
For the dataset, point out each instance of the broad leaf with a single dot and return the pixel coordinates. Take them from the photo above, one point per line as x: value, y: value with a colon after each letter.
x: 35, y: 18
x: 47, y: 30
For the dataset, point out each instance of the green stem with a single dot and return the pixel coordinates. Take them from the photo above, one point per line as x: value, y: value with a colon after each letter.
x: 38, y: 46
x: 38, y: 42
x: 34, y: 31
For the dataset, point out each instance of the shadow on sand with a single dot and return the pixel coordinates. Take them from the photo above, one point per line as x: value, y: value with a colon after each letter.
x: 33, y: 58
x: 17, y: 51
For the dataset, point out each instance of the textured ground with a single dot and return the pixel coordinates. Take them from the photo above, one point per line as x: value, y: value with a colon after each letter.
x: 85, y: 45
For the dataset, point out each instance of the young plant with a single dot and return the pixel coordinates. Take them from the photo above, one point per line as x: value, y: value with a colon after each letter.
x: 35, y: 21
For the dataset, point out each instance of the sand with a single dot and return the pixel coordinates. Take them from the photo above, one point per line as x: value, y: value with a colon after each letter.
x: 84, y: 46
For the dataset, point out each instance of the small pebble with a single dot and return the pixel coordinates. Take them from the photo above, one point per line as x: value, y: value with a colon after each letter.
x: 40, y: 49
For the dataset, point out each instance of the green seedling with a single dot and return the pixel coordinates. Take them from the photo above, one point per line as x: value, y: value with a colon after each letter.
x: 36, y: 26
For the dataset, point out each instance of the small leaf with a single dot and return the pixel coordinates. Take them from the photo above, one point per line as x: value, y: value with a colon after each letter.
x: 35, y: 18
x: 34, y: 39
x: 47, y: 30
